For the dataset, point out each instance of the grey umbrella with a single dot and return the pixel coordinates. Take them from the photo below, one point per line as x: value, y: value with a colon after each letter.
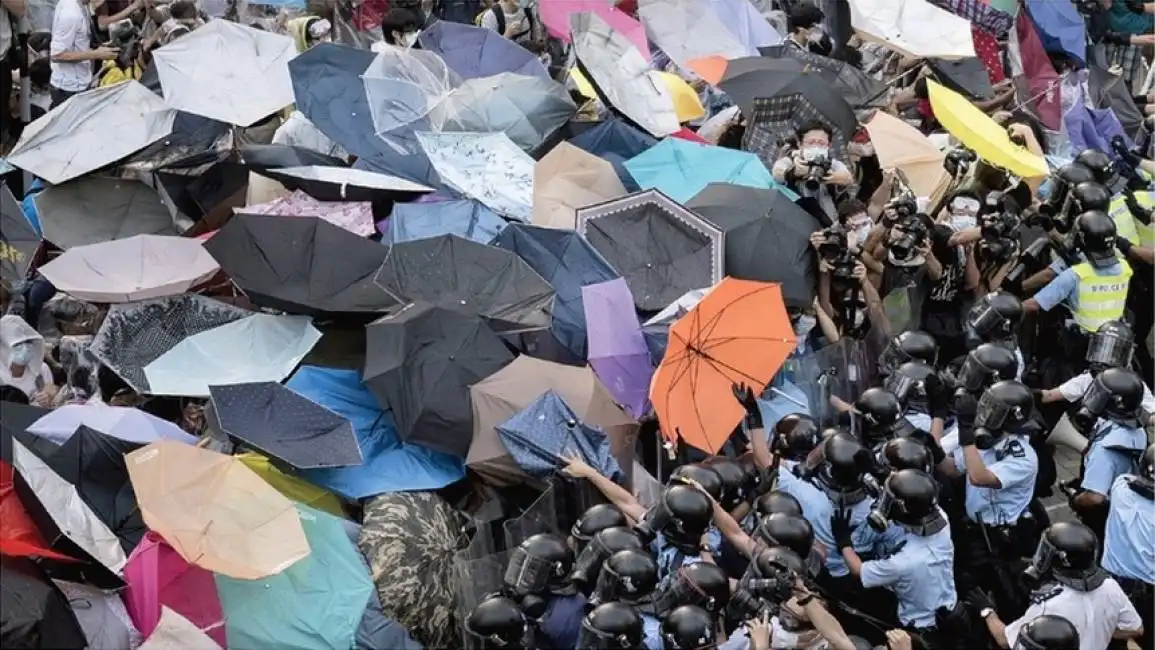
x: 98, y: 209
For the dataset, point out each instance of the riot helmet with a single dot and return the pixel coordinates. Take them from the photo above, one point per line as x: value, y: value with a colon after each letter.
x: 1089, y: 196
x: 912, y: 345
x: 1095, y: 236
x: 777, y: 501
x: 879, y: 410
x: 1047, y: 632
x: 1111, y: 345
x: 755, y: 478
x: 1116, y: 394
x: 910, y: 499
x: 701, y: 583
x: 628, y: 576
x: 1062, y: 182
x: 1100, y: 164
x: 688, y: 628
x: 1143, y: 482
x: 985, y: 365
x: 795, y: 436
x: 604, y: 544
x: 840, y: 468
x: 995, y: 317
x: 593, y: 521
x: 497, y: 622
x: 1068, y: 553
x: 540, y: 564
x: 911, y: 383
x: 733, y: 481
x: 611, y: 626
x: 790, y: 531
x: 681, y: 515
x: 906, y: 453
x: 1003, y: 408
x: 700, y: 475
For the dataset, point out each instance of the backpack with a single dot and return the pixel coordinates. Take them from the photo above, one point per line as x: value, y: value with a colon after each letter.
x: 499, y: 15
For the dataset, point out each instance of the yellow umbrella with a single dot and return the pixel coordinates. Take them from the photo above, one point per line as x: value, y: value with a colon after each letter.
x: 686, y: 102
x: 900, y: 145
x: 296, y: 489
x: 981, y: 134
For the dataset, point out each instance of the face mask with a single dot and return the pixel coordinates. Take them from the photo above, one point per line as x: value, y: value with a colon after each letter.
x: 803, y: 326
x: 408, y: 39
x: 811, y: 154
x: 962, y: 222
x: 814, y: 35
x: 21, y: 354
x: 859, y: 226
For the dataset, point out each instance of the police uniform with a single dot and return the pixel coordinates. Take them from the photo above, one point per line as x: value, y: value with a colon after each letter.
x: 1094, y: 296
x: 1073, y: 389
x: 1129, y: 551
x: 652, y: 628
x: 817, y: 509
x: 921, y: 575
x: 1016, y: 465
x: 670, y: 559
x: 1114, y: 450
x: 1095, y: 614
x: 1126, y: 225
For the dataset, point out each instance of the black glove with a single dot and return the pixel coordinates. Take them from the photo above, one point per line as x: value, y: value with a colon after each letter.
x: 1115, y: 38
x: 966, y: 433
x: 978, y: 600
x: 1037, y: 393
x: 938, y: 396
x: 841, y: 529
x: 1136, y: 6
x: 749, y: 401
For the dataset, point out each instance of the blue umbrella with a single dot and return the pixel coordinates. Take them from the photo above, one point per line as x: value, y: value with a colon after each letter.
x: 1060, y: 26
x: 681, y: 169
x: 465, y: 218
x: 540, y: 437
x: 474, y: 52
x: 390, y: 465
x: 617, y: 142
x: 567, y: 262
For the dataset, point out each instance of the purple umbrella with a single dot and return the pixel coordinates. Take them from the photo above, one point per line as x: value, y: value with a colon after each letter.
x: 617, y: 349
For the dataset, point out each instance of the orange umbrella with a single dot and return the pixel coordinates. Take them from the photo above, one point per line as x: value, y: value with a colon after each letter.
x: 738, y: 333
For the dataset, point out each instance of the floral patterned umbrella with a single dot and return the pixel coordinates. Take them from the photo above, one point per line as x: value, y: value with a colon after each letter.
x: 488, y: 167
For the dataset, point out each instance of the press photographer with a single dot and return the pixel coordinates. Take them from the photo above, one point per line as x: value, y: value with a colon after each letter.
x: 844, y: 289
x: 808, y: 168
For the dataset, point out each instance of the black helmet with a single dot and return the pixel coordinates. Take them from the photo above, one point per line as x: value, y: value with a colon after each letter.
x: 701, y: 583
x: 497, y: 622
x: 604, y: 544
x: 754, y: 476
x: 733, y: 480
x: 1117, y: 394
x: 1004, y: 407
x: 699, y: 474
x: 1068, y: 552
x: 594, y: 520
x: 777, y: 501
x: 1047, y: 632
x: 1062, y: 183
x: 791, y: 531
x: 985, y: 365
x: 611, y: 626
x: 995, y: 317
x: 542, y: 563
x: 628, y: 576
x: 776, y: 561
x: 913, y: 345
x: 843, y: 462
x: 909, y: 497
x: 1095, y: 237
x: 879, y: 410
x: 906, y: 453
x: 688, y: 627
x: 795, y: 436
x: 682, y: 515
x: 1100, y: 165
x: 1090, y: 196
x: 1112, y: 344
x: 911, y: 384
x: 1143, y: 482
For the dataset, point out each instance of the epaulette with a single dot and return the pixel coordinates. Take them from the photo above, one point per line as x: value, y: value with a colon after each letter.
x: 1045, y: 593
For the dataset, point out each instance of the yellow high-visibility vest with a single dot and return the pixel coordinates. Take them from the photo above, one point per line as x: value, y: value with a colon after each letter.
x: 1128, y: 227
x: 1099, y: 298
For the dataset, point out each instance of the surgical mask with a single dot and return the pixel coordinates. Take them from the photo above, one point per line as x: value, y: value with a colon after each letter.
x: 524, y: 4
x: 962, y: 221
x: 815, y: 34
x: 811, y: 154
x: 408, y: 39
x: 21, y: 354
x: 859, y: 227
x: 803, y: 326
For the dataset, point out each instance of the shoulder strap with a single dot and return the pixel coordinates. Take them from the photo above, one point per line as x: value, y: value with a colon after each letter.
x: 529, y: 19
x: 499, y: 16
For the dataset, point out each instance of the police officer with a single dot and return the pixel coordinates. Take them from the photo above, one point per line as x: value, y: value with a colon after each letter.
x: 701, y: 584
x: 611, y: 626
x: 912, y: 345
x: 905, y: 453
x: 498, y: 622
x: 793, y: 438
x: 1129, y: 546
x: 605, y: 543
x: 733, y: 481
x: 1071, y: 585
x: 1048, y: 632
x: 542, y: 566
x: 699, y: 475
x: 981, y: 368
x: 777, y: 501
x: 676, y: 526
x: 630, y: 577
x: 995, y: 318
x: 594, y: 520
x: 878, y: 412
x: 688, y: 627
x: 1105, y: 172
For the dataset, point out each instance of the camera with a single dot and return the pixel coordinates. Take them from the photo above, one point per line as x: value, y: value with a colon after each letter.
x: 958, y: 161
x: 835, y: 251
x: 912, y: 233
x: 999, y: 224
x: 819, y: 168
x: 757, y: 597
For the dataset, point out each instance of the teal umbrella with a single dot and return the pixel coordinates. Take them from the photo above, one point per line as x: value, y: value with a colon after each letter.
x: 681, y: 169
x: 317, y: 603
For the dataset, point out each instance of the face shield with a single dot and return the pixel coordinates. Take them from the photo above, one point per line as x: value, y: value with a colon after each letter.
x: 1110, y: 349
x: 905, y: 387
x: 682, y: 591
x: 880, y: 514
x: 475, y: 641
x: 991, y: 414
x: 1097, y: 399
x: 595, y: 639
x: 1041, y: 562
x: 892, y: 357
x: 613, y: 587
x: 589, y: 561
x: 526, y: 574
x: 973, y: 376
x: 985, y: 320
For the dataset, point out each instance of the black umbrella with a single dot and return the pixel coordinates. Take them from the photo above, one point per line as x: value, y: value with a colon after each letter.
x: 662, y: 249
x: 758, y: 220
x: 420, y: 363
x: 775, y: 119
x: 276, y: 156
x: 751, y: 77
x: 14, y: 422
x: 859, y: 89
x: 18, y: 241
x: 193, y: 142
x: 466, y: 276
x: 301, y: 265
x: 345, y: 183
x: 33, y: 612
x: 966, y: 76
x: 285, y: 425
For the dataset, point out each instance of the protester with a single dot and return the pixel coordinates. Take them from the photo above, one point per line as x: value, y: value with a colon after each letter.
x: 72, y: 50
x: 513, y: 21
x: 400, y: 27
x: 22, y: 353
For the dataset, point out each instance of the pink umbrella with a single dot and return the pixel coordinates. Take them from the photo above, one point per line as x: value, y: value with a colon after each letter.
x: 157, y: 576
x: 354, y: 216
x: 555, y: 16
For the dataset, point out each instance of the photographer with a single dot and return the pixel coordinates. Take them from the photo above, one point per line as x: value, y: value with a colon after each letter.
x: 809, y: 170
x: 909, y: 261
x: 943, y: 308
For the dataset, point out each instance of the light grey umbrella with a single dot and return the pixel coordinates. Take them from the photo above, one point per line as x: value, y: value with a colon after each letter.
x: 527, y: 109
x: 101, y: 615
x: 97, y: 209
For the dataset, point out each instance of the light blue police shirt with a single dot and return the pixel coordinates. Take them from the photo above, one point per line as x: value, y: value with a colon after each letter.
x: 921, y: 575
x: 1065, y: 286
x: 653, y: 631
x: 667, y: 556
x: 817, y: 508
x: 1102, y: 465
x: 1129, y: 544
x: 1016, y: 465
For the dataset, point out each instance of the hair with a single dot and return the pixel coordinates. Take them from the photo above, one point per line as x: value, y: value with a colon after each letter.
x: 804, y: 16
x: 13, y: 394
x: 399, y: 20
x: 1021, y: 117
x: 848, y: 208
x: 40, y: 72
x: 183, y: 10
x: 813, y: 125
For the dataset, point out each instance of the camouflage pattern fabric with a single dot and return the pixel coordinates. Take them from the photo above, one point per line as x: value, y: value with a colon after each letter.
x: 409, y: 539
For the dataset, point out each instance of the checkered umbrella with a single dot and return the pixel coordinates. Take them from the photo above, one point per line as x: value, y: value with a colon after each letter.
x: 773, y: 119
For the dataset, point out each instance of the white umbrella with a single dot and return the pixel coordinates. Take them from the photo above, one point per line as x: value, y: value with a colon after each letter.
x: 128, y: 424
x: 175, y: 632
x: 688, y: 30
x: 488, y: 167
x: 913, y: 28
x: 227, y: 72
x: 102, y: 616
x: 91, y: 130
x: 527, y: 109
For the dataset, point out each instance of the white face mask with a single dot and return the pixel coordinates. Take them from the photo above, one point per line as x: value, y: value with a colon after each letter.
x: 803, y: 326
x: 810, y: 154
x: 814, y: 35
x: 962, y: 221
x: 408, y: 39
x: 21, y: 354
x: 859, y: 227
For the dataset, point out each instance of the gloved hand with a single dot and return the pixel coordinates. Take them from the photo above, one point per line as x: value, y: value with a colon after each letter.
x: 1037, y: 394
x: 938, y: 397
x: 966, y: 434
x: 978, y: 600
x: 841, y: 529
x: 965, y: 406
x: 1115, y: 38
x: 749, y: 401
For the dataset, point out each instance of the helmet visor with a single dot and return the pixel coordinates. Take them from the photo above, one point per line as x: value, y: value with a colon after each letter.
x: 1109, y: 349
x: 974, y: 375
x: 682, y: 591
x: 991, y: 413
x: 1044, y: 557
x: 985, y: 320
x: 595, y: 639
x: 589, y: 561
x: 905, y: 388
x: 526, y: 574
x: 892, y: 357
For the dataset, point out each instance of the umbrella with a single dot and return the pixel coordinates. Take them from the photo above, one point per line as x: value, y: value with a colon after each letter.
x: 967, y: 76
x: 159, y: 580
x: 194, y: 141
x: 994, y: 16
x: 18, y: 240
x: 745, y: 23
x: 981, y: 134
x: 617, y: 350
x: 304, y: 265
x: 175, y: 632
x: 488, y: 167
x: 134, y: 335
x: 687, y: 30
x: 91, y: 130
x: 474, y: 52
x: 409, y: 540
x: 15, y: 419
x: 775, y: 119
x: 124, y: 423
x: 215, y: 512
x: 256, y: 348
x: 1108, y: 90
x: 278, y: 156
x: 568, y: 178
x: 137, y: 268
x: 680, y: 169
x: 101, y: 615
x: 376, y: 630
x: 285, y: 425
x: 859, y: 89
x: 403, y: 87
x: 391, y: 465
x: 544, y: 434
x: 568, y: 262
x: 527, y: 109
x: 499, y: 396
x: 556, y: 18
x: 228, y: 72
x: 756, y: 221
x: 466, y: 218
x: 354, y: 216
x: 316, y: 602
x: 345, y: 184
x: 94, y: 210
x: 293, y: 487
x: 662, y: 249
x: 19, y: 536
x: 915, y: 28
x: 1063, y: 29
x: 616, y: 142
x: 751, y: 77
x: 739, y: 332
x: 420, y: 363
x: 33, y: 612
x: 466, y: 276
x: 687, y: 105
x: 621, y: 75
x: 826, y: 99
x: 899, y: 145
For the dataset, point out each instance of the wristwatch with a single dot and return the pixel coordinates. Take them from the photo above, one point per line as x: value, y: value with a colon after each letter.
x: 986, y: 612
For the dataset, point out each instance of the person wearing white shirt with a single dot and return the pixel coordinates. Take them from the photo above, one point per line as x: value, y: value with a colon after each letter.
x: 71, y: 50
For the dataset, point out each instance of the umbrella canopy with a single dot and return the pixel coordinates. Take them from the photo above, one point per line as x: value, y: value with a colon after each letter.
x: 680, y: 168
x: 746, y: 23
x: 899, y: 145
x: 501, y: 395
x: 662, y: 249
x: 687, y: 30
x: 859, y: 89
x: 556, y: 18
x: 215, y: 511
x: 739, y: 332
x: 18, y: 240
x: 772, y: 119
x: 345, y: 184
x: 527, y: 109
x: 290, y: 485
x: 33, y: 612
x: 403, y: 87
x: 544, y: 434
x: 19, y: 536
x: 488, y: 167
x: 228, y: 72
x: 409, y: 540
x: 354, y: 216
x: 687, y: 104
x: 315, y: 603
x: 915, y: 28
x: 474, y: 52
x: 979, y: 133
x: 257, y: 348
x: 567, y: 262
x: 967, y: 76
x: 15, y: 418
x: 101, y: 615
x: 466, y: 218
x: 391, y: 465
x: 420, y: 363
x: 621, y: 75
x: 751, y: 77
x: 616, y: 142
x: 175, y: 632
x: 138, y: 268
x: 91, y: 130
x: 285, y: 425
x: 278, y: 156
x: 94, y: 210
x: 304, y: 265
x: 127, y: 424
x: 158, y: 579
x: 469, y: 277
x: 568, y: 178
x: 617, y: 351
x: 134, y: 335
x: 756, y: 221
x: 193, y: 141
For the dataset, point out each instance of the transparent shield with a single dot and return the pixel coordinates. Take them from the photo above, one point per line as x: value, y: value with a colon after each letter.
x: 539, y: 517
x: 475, y: 578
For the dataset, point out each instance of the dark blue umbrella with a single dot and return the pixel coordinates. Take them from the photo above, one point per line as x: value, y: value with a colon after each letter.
x: 617, y: 142
x: 540, y: 437
x: 567, y: 262
x: 465, y: 218
x: 474, y: 52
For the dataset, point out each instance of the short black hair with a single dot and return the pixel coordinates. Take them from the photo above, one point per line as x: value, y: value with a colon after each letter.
x: 1022, y: 117
x: 183, y: 10
x: 399, y: 20
x: 848, y: 208
x: 40, y: 72
x: 804, y: 16
x: 813, y: 125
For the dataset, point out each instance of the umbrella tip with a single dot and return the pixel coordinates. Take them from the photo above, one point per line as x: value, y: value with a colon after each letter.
x: 571, y: 422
